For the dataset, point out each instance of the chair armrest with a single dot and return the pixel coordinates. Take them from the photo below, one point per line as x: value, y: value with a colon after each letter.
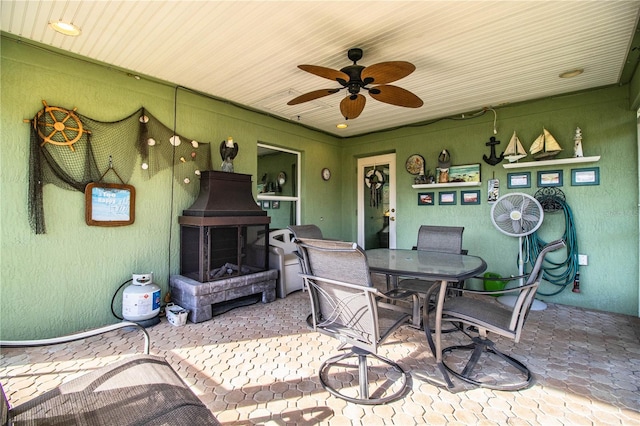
x: 77, y: 336
x: 279, y: 251
x: 495, y: 292
x: 344, y: 284
x: 506, y: 279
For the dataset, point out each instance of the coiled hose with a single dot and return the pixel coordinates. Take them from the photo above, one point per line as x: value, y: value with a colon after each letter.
x: 563, y: 273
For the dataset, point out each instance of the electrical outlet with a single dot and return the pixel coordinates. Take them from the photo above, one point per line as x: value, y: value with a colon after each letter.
x: 583, y: 260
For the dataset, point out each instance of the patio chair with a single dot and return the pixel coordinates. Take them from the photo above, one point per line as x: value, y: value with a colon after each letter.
x: 482, y: 313
x: 139, y: 390
x: 346, y: 306
x: 446, y: 239
x: 304, y: 231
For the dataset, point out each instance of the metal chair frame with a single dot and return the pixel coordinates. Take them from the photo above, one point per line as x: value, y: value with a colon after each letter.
x: 446, y: 239
x: 488, y: 317
x: 138, y: 389
x: 349, y: 309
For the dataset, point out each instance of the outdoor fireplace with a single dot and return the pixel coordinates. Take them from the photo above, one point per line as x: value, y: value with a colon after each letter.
x: 223, y: 261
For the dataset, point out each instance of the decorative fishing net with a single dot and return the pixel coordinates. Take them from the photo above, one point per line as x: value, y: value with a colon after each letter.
x: 71, y: 150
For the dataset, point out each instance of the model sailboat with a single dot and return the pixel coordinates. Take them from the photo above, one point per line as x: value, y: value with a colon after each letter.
x: 545, y: 146
x: 515, y: 150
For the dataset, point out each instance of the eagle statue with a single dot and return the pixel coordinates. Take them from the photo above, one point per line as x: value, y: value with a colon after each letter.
x: 228, y: 151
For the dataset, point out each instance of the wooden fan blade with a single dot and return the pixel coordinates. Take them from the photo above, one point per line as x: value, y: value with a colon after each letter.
x: 312, y: 95
x: 352, y: 106
x: 386, y: 72
x: 395, y: 95
x: 329, y: 73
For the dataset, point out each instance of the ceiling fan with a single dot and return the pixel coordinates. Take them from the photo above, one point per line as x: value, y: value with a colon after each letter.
x: 356, y: 77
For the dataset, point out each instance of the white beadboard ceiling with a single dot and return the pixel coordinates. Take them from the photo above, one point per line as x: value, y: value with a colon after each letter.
x: 468, y: 54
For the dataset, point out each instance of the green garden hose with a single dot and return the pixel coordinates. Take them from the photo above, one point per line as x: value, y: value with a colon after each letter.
x: 563, y: 273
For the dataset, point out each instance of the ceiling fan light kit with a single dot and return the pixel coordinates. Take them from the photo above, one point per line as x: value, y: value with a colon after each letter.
x: 356, y: 78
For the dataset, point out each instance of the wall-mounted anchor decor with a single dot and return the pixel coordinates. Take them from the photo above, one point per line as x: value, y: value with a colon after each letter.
x: 493, y: 159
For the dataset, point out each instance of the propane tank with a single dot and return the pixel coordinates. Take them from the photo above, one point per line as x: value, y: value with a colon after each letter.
x: 141, y: 299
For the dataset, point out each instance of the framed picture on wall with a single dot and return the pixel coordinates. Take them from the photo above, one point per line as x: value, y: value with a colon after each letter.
x: 469, y: 197
x: 466, y: 173
x: 519, y: 180
x: 587, y: 176
x: 109, y: 204
x: 447, y: 198
x: 426, y: 199
x: 266, y: 204
x: 550, y: 178
x: 275, y: 204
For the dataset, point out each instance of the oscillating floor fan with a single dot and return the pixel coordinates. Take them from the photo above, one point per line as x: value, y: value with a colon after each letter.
x: 517, y: 215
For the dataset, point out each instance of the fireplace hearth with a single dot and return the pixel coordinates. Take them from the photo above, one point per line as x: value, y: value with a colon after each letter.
x: 223, y: 260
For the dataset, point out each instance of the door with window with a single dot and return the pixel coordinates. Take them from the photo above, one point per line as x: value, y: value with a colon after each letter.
x: 377, y: 201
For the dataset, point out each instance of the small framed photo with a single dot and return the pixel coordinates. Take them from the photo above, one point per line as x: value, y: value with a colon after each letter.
x: 275, y: 204
x: 588, y: 176
x: 519, y: 180
x: 466, y: 173
x: 550, y: 178
x: 447, y: 198
x: 426, y: 199
x: 266, y: 204
x: 469, y: 197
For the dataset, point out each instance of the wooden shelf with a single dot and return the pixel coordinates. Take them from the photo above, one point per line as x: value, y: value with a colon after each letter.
x: 445, y: 185
x: 531, y: 164
x: 271, y: 196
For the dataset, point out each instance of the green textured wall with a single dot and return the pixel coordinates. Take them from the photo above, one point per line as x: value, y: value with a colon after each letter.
x: 606, y: 216
x: 64, y: 280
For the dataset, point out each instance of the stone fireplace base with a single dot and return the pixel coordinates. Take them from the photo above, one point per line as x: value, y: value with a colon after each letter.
x: 202, y: 299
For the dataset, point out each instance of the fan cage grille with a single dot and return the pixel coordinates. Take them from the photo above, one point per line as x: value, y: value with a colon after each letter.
x: 531, y: 211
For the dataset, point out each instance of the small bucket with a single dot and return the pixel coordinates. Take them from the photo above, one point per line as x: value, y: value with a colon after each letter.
x: 491, y: 285
x: 176, y: 315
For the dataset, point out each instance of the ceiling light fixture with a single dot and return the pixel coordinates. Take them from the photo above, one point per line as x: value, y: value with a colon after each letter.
x: 65, y: 28
x: 342, y: 126
x: 572, y: 73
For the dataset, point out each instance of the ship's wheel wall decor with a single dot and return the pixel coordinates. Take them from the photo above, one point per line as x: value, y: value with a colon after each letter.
x: 58, y: 126
x: 71, y: 150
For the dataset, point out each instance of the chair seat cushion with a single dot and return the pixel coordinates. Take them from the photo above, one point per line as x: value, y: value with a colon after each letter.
x: 488, y: 314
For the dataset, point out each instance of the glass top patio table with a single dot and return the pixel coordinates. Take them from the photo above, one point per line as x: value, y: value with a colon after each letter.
x: 429, y: 265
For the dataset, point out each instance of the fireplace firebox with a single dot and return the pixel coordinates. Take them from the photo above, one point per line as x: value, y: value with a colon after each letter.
x: 223, y: 261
